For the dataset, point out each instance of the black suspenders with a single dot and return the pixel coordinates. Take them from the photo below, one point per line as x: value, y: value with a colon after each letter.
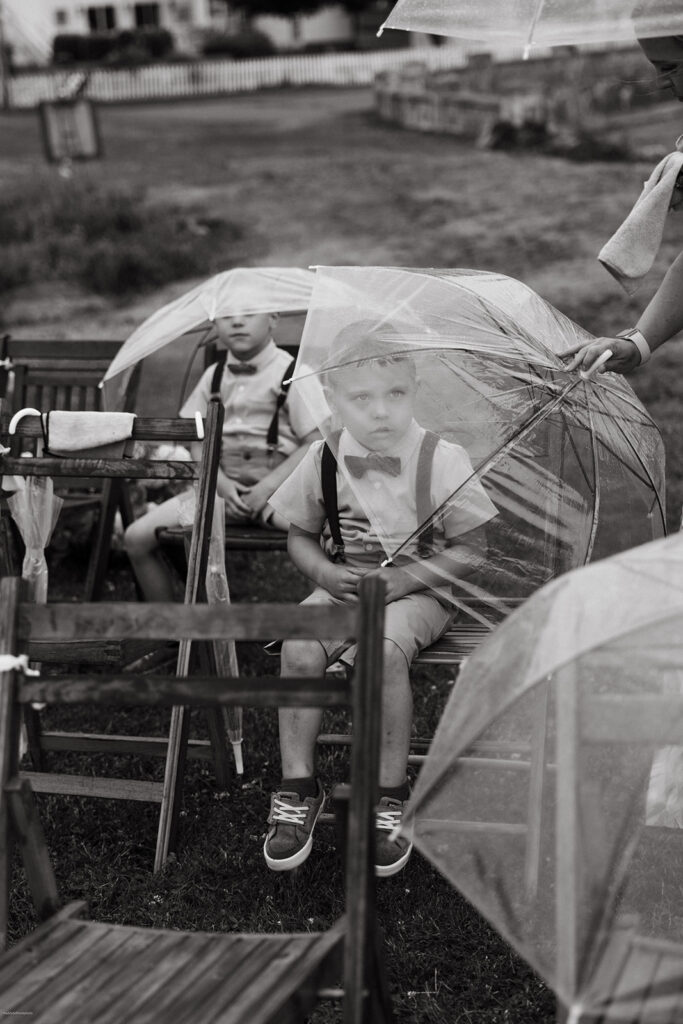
x: 273, y: 428
x: 272, y: 435
x: 423, y: 486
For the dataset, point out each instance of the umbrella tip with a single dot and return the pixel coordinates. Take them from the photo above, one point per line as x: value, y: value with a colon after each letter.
x: 380, y: 30
x: 237, y: 751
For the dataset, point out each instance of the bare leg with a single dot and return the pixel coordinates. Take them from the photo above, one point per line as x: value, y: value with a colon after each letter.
x: 141, y: 546
x: 299, y: 727
x: 397, y: 716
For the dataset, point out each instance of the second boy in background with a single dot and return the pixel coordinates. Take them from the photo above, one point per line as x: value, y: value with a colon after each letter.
x: 266, y: 433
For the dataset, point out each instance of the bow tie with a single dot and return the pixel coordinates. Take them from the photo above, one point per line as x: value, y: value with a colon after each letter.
x: 241, y: 368
x: 358, y: 465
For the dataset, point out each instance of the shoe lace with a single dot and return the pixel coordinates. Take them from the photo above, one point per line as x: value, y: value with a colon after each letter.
x: 389, y: 820
x: 288, y: 814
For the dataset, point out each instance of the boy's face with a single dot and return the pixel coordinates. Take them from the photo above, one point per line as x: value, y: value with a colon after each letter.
x: 374, y: 402
x: 245, y: 334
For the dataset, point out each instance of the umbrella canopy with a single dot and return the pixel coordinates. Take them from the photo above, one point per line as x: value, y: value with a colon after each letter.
x: 539, y: 22
x: 562, y: 469
x: 241, y: 290
x: 546, y: 825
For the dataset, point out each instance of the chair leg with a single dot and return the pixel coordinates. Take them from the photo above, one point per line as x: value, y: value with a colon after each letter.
x: 99, y: 557
x: 33, y: 733
x: 379, y: 1009
x: 215, y: 720
x: 173, y: 781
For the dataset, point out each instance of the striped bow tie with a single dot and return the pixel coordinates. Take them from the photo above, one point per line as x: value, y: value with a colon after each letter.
x: 241, y: 368
x: 358, y: 465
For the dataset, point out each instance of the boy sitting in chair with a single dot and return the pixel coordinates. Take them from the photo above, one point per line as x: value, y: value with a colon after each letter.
x: 266, y: 433
x: 389, y: 466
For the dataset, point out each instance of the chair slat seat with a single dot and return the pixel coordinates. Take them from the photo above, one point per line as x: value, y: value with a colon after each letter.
x: 96, y: 972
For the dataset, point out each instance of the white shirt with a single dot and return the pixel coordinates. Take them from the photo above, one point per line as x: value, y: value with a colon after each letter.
x: 249, y: 401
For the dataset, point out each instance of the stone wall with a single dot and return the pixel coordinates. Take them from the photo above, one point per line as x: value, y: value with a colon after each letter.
x: 564, y: 90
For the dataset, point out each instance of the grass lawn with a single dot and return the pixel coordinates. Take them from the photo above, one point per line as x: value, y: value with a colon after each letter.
x: 312, y: 178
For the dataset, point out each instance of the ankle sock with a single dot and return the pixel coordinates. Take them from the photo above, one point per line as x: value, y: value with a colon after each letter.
x: 401, y: 792
x: 302, y: 787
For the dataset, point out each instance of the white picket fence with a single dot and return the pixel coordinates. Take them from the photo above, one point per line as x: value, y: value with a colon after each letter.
x: 215, y: 77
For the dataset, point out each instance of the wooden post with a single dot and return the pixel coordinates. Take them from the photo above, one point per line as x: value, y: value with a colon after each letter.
x: 196, y: 575
x: 567, y: 880
x: 9, y: 734
x: 359, y: 951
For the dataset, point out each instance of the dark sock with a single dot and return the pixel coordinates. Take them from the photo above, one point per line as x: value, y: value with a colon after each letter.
x: 401, y: 792
x: 302, y: 787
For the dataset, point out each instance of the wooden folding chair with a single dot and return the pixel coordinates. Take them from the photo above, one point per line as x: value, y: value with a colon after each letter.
x: 101, y: 649
x: 65, y: 375
x: 90, y: 971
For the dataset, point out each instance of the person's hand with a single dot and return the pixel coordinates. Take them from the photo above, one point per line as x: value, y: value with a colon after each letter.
x: 625, y: 355
x: 235, y: 506
x: 342, y: 582
x: 397, y: 581
x: 254, y: 496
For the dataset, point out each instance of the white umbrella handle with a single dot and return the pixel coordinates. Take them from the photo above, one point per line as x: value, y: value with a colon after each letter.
x: 600, y: 361
x: 18, y: 415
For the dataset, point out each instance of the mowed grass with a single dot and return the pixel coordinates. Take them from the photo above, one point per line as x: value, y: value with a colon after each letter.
x: 313, y: 178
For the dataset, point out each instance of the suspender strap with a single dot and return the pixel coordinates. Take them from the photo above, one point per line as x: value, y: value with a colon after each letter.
x: 273, y: 429
x: 328, y: 474
x: 423, y: 489
x: 218, y: 374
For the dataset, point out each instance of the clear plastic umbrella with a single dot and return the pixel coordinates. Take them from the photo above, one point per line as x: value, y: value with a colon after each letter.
x: 34, y: 507
x: 241, y: 290
x: 549, y: 772
x: 539, y: 22
x: 564, y: 469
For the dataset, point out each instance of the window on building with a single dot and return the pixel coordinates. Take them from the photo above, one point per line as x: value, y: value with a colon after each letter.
x: 101, y: 19
x: 146, y: 14
x: 62, y: 17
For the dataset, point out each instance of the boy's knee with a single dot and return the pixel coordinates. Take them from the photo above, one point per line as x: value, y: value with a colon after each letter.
x: 302, y: 657
x: 394, y: 660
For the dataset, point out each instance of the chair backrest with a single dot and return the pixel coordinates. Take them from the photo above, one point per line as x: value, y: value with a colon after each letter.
x: 62, y: 375
x: 22, y: 625
x: 144, y: 429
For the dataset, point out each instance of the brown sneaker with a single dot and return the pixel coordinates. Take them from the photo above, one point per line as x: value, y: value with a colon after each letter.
x: 392, y: 852
x: 292, y: 821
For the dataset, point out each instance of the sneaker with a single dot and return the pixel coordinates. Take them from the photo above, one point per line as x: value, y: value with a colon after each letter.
x: 292, y: 821
x: 392, y: 852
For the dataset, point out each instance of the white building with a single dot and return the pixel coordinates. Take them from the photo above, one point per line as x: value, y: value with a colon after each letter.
x: 29, y: 26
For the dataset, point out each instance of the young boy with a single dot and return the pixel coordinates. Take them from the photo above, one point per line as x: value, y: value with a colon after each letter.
x: 378, y: 456
x: 262, y: 441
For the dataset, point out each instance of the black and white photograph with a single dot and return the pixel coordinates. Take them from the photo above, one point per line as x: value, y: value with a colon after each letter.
x: 341, y: 511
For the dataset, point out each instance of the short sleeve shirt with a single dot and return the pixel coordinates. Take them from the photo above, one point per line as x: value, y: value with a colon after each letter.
x: 378, y: 512
x: 249, y: 401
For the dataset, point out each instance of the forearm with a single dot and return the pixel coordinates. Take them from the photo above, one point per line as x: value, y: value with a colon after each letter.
x: 224, y: 485
x: 455, y: 562
x: 307, y: 555
x: 663, y: 316
x: 271, y: 481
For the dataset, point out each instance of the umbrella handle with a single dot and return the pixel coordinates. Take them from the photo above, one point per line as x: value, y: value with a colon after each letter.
x: 18, y: 415
x: 595, y: 368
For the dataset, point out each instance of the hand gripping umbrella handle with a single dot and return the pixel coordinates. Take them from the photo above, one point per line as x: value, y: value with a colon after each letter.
x: 595, y: 368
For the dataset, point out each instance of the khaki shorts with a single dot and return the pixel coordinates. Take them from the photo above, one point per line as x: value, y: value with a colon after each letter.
x: 249, y: 465
x: 412, y: 623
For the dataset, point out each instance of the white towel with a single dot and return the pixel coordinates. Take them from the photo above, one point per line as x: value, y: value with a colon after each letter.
x: 632, y: 249
x: 93, y: 434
